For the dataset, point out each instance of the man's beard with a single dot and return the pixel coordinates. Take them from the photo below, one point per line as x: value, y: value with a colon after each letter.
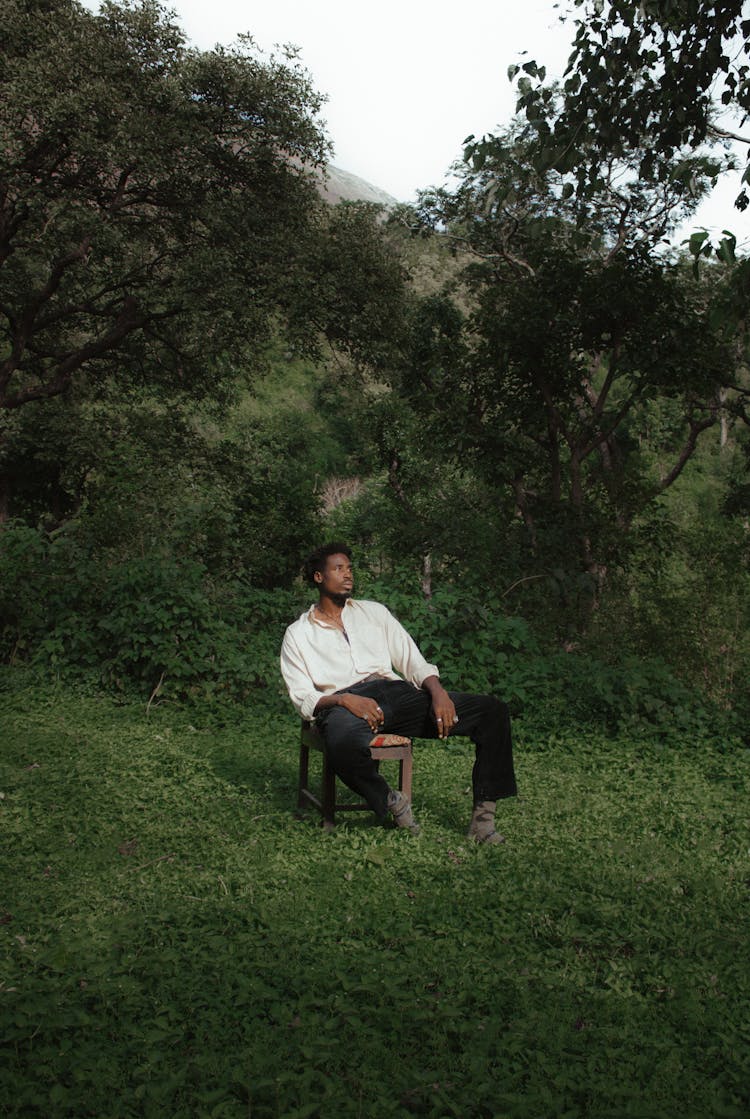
x: 340, y: 599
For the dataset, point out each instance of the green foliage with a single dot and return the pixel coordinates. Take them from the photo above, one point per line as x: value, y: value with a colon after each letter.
x: 479, y: 647
x: 150, y: 222
x: 130, y: 473
x: 645, y: 82
x: 161, y: 626
x: 553, y: 418
x: 354, y: 279
x: 23, y: 559
x: 155, y: 624
x: 178, y: 943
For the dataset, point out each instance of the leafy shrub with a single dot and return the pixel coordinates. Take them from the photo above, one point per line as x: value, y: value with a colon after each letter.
x: 154, y: 623
x: 163, y: 626
x: 478, y: 647
x: 22, y: 613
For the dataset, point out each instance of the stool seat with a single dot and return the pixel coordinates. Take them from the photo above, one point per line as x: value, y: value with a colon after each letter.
x: 326, y: 803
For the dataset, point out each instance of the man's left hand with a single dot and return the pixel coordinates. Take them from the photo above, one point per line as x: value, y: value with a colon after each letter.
x: 443, y: 710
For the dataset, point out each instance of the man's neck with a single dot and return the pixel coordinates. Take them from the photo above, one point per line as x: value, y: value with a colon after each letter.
x: 331, y: 605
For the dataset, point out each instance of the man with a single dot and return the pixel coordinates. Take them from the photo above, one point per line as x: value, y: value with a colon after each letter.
x: 338, y: 662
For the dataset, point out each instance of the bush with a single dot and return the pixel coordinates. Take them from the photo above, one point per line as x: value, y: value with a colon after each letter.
x: 155, y: 624
x: 161, y: 626
x: 23, y: 556
x: 478, y: 647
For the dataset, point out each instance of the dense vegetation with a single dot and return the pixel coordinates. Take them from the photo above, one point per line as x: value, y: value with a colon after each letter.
x: 530, y: 418
x: 507, y: 409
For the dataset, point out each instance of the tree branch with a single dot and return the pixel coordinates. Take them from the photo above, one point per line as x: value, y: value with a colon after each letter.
x: 128, y: 321
x: 696, y: 427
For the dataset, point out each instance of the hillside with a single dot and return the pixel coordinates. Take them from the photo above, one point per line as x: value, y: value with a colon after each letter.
x: 343, y: 186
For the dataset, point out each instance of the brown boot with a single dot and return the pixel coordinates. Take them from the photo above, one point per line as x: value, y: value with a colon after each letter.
x: 482, y: 826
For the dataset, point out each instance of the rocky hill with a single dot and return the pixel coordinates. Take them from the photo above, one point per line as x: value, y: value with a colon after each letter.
x: 343, y: 186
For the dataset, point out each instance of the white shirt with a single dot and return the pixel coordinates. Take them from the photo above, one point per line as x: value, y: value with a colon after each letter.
x: 318, y: 659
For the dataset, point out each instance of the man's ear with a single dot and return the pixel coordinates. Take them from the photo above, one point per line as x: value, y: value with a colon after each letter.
x: 318, y: 576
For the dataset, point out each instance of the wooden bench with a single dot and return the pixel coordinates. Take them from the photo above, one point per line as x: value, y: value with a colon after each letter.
x: 326, y: 803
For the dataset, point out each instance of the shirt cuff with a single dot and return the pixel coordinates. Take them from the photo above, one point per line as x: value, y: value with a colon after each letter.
x: 309, y: 703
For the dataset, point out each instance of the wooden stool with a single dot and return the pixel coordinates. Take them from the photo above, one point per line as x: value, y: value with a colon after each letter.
x: 326, y: 803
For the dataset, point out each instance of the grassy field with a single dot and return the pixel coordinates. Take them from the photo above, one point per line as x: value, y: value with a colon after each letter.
x: 178, y: 943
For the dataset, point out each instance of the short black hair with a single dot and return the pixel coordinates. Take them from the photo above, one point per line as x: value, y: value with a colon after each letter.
x: 316, y: 561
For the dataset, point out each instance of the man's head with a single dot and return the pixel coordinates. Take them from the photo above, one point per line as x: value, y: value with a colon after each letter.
x: 329, y: 568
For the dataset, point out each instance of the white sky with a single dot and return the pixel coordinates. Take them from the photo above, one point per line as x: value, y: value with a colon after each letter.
x: 408, y: 80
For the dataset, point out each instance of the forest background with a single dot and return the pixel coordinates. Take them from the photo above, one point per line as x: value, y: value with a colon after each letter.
x: 524, y: 411
x: 528, y: 415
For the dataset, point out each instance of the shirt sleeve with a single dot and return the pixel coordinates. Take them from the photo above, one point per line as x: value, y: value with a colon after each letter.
x: 405, y: 655
x: 302, y: 691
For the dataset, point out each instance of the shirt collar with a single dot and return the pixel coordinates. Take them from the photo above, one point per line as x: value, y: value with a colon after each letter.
x: 316, y: 621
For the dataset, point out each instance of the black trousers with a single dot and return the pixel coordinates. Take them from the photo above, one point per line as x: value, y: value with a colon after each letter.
x: 408, y: 710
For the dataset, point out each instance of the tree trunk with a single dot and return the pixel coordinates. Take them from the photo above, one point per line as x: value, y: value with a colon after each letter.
x: 427, y: 576
x: 4, y: 498
x: 723, y: 418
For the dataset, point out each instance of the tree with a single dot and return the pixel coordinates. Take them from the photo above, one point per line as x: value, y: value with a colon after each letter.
x: 566, y: 337
x: 656, y: 79
x: 351, y: 288
x: 154, y: 199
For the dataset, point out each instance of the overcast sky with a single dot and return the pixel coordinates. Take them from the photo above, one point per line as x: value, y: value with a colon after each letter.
x: 408, y: 80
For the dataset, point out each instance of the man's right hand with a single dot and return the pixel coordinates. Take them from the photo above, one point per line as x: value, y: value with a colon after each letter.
x: 364, y: 708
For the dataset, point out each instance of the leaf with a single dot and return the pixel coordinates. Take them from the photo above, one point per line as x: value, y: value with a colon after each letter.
x: 696, y: 242
x: 726, y: 249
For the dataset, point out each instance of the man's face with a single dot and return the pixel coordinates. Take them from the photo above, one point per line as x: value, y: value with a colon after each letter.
x: 336, y: 579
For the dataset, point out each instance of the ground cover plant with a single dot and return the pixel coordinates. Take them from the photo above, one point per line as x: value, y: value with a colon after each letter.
x: 178, y: 943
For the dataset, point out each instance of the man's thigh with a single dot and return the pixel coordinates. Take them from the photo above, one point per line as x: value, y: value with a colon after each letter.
x: 413, y: 713
x: 407, y: 710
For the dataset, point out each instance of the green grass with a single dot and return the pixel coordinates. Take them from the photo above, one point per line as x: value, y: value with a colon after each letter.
x: 178, y: 943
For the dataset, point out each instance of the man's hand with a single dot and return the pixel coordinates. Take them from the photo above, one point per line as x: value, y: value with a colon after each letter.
x: 364, y: 708
x: 443, y: 709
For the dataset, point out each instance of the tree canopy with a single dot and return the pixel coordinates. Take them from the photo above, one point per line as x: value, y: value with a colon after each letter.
x: 153, y: 198
x: 558, y: 341
x: 658, y: 84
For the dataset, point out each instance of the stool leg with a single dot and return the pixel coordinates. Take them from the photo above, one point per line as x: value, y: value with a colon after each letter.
x: 328, y: 798
x: 405, y: 772
x: 304, y: 767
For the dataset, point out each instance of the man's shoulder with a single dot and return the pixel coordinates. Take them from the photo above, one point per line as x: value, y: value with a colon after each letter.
x: 368, y: 606
x: 298, y: 624
x: 376, y: 613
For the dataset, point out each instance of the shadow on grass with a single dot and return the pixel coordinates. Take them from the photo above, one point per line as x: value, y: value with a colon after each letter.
x: 274, y: 776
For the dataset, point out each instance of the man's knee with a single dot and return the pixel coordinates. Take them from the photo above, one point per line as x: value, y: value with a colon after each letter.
x: 343, y: 731
x: 497, y: 706
x: 486, y: 709
x: 497, y: 710
x: 339, y: 721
